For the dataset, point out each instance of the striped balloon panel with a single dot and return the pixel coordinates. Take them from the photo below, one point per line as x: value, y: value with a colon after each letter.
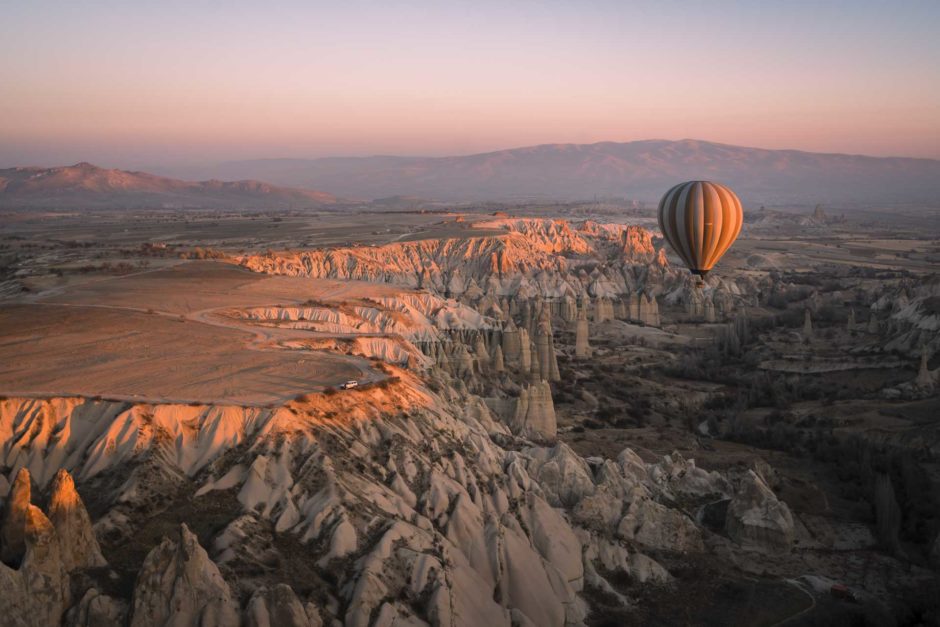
x: 700, y: 220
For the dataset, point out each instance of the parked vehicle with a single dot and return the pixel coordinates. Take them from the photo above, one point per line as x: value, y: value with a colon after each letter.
x: 349, y: 384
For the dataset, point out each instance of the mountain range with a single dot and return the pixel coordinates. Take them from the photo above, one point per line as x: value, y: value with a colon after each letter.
x: 641, y: 170
x: 84, y: 185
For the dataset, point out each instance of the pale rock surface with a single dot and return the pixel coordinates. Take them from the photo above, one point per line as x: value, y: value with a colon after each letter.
x: 545, y: 350
x: 582, y: 347
x: 678, y: 475
x: 96, y: 610
x: 654, y: 525
x: 78, y: 546
x: 37, y: 593
x: 179, y: 585
x: 756, y: 519
x: 535, y: 412
x: 564, y: 476
x: 279, y: 607
x: 498, y: 362
x: 603, y: 309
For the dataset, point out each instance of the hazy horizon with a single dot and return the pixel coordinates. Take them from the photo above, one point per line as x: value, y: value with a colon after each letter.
x: 180, y: 83
x: 177, y: 168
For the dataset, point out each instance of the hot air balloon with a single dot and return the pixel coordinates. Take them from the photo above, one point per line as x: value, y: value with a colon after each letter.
x: 700, y: 220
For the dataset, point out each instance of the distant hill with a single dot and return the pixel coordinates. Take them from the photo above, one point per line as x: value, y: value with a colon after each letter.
x: 639, y: 170
x: 87, y: 186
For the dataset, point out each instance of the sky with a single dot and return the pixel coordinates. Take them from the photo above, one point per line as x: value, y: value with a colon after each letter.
x: 128, y: 84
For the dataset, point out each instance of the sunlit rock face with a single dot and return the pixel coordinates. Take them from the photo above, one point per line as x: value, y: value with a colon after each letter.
x: 78, y: 546
x: 39, y: 553
x: 401, y: 494
x: 523, y: 258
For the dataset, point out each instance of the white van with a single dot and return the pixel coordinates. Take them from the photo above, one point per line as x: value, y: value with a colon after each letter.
x: 349, y: 384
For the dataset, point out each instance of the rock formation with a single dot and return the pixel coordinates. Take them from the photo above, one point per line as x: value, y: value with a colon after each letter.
x: 756, y: 519
x: 653, y: 525
x: 535, y: 412
x: 37, y: 593
x: 568, y: 308
x: 512, y: 345
x: 96, y: 610
x: 498, y: 363
x: 603, y: 309
x: 404, y: 502
x: 709, y: 310
x: 926, y: 380
x: 279, y: 606
x: 43, y: 551
x: 481, y: 353
x: 807, y: 324
x: 546, y: 360
x: 581, y: 346
x: 648, y: 310
x: 179, y: 585
x: 525, y: 352
x: 78, y: 546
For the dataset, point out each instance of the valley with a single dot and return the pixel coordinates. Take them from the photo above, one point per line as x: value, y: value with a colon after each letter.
x: 553, y: 423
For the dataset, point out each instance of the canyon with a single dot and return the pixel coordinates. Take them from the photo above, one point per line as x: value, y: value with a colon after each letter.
x: 552, y: 425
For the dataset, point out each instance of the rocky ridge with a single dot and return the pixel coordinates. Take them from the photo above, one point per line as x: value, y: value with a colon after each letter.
x: 409, y: 505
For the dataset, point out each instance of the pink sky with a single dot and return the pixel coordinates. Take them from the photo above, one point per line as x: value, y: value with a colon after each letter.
x: 183, y: 83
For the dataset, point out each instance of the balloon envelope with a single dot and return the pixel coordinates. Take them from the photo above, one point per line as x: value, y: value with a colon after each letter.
x: 700, y: 220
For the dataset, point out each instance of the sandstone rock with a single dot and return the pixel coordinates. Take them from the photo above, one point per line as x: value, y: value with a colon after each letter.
x: 709, y: 307
x: 554, y: 539
x: 581, y: 346
x: 654, y: 525
x: 648, y: 310
x: 756, y: 519
x: 78, y: 546
x: 179, y: 585
x: 279, y: 606
x: 563, y: 474
x: 568, y: 309
x: 482, y: 355
x: 525, y: 351
x: 535, y: 412
x: 38, y: 592
x: 682, y: 476
x: 545, y: 348
x: 498, y: 363
x: 603, y: 310
x: 512, y: 345
x: 96, y: 610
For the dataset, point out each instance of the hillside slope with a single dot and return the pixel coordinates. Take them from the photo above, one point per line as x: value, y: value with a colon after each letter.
x: 639, y: 170
x: 87, y: 186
